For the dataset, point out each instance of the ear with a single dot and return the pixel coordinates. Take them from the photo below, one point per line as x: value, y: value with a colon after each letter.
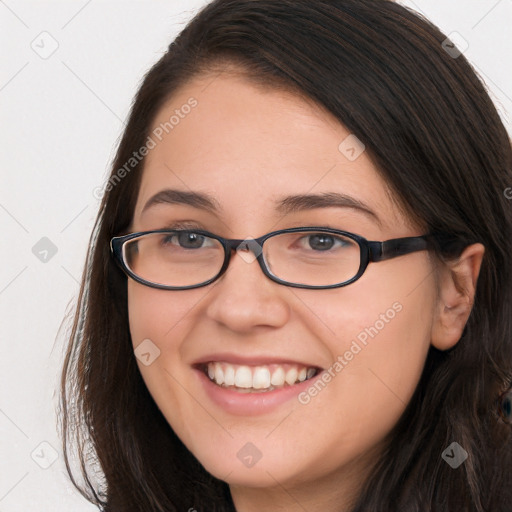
x: 456, y: 292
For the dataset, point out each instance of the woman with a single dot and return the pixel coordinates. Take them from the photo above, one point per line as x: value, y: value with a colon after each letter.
x: 298, y: 290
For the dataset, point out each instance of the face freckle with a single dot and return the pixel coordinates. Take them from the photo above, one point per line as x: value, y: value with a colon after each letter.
x: 248, y: 148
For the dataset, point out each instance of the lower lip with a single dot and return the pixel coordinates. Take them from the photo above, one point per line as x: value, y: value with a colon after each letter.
x: 251, y: 404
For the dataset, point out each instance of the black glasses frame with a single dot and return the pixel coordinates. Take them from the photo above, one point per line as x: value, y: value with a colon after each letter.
x: 370, y: 251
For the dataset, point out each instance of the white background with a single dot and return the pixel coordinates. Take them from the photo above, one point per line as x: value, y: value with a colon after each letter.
x: 61, y: 118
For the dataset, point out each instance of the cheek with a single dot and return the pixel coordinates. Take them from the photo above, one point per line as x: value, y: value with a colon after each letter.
x: 379, y: 336
x: 155, y: 313
x: 156, y: 319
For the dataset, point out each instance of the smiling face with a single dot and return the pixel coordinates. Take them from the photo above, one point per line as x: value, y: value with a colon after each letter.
x: 247, y: 150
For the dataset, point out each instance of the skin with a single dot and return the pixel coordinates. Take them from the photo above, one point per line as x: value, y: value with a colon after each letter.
x: 247, y: 147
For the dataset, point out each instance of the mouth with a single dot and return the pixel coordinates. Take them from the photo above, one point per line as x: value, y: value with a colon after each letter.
x: 257, y: 379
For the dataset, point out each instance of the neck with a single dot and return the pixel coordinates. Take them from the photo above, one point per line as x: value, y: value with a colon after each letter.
x: 336, y: 491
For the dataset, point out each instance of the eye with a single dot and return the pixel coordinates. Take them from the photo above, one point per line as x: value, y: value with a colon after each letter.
x: 323, y: 241
x: 186, y: 240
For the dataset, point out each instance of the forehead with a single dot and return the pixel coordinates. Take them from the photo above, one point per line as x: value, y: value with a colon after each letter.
x: 246, y: 146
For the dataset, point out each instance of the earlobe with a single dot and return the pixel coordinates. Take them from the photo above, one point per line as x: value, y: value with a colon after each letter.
x: 456, y: 293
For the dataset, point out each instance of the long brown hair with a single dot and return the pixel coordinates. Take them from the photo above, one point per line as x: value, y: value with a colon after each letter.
x: 435, y: 136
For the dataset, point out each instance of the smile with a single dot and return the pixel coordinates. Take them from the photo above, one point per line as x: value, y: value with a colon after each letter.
x: 257, y: 379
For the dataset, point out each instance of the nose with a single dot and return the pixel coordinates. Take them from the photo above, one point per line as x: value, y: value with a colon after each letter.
x: 244, y: 298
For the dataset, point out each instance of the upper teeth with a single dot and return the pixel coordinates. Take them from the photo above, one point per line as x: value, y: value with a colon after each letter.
x: 258, y: 377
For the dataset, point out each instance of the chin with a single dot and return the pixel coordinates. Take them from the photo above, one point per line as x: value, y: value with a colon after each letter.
x: 236, y: 467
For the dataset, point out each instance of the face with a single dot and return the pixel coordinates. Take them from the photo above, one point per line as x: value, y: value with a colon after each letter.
x: 366, y: 343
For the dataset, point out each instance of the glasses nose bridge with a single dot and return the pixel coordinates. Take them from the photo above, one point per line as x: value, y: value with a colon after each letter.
x: 255, y: 245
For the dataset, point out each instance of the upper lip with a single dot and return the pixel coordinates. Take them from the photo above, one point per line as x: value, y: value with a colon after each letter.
x: 249, y: 361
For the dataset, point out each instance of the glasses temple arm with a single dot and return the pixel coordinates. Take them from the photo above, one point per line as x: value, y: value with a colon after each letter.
x: 379, y: 251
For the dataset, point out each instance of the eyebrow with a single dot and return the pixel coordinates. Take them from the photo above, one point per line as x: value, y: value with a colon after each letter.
x: 296, y: 203
x: 195, y: 199
x: 284, y: 206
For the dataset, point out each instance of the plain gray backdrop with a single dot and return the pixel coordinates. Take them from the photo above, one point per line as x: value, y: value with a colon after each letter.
x: 69, y: 72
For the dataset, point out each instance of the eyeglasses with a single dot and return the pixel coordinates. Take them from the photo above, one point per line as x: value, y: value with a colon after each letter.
x: 303, y: 257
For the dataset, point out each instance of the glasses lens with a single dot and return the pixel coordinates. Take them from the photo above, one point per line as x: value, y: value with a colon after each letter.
x: 312, y: 258
x: 174, y: 258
